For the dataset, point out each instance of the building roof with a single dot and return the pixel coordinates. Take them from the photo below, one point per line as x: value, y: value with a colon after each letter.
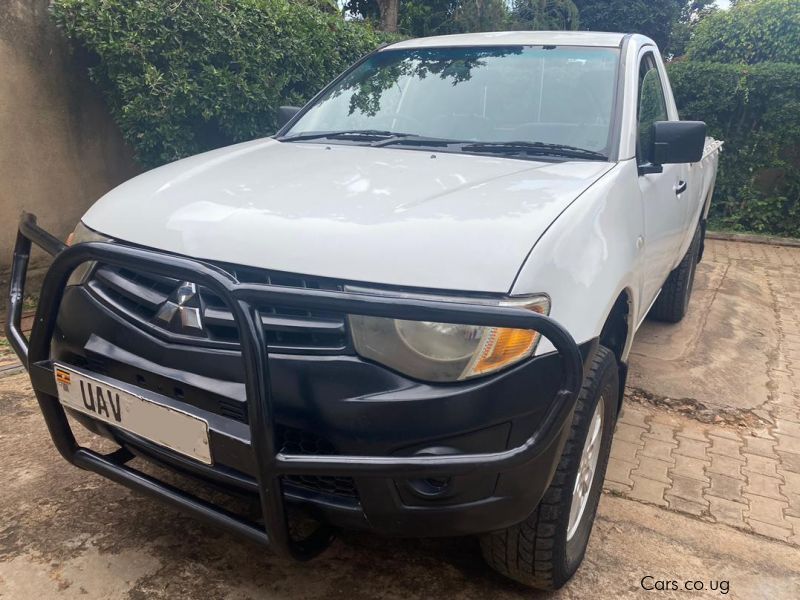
x: 516, y: 38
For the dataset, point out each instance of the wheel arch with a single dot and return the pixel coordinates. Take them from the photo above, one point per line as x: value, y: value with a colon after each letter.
x: 617, y: 335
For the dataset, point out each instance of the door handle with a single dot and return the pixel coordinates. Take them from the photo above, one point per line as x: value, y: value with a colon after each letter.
x: 680, y: 187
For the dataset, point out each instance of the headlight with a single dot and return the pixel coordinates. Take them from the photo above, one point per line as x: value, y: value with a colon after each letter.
x: 442, y: 351
x: 83, y: 234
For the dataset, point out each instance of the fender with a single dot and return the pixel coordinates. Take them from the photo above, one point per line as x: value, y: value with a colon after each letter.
x: 589, y: 255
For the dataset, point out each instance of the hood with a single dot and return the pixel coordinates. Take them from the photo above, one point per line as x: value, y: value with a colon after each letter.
x: 373, y: 215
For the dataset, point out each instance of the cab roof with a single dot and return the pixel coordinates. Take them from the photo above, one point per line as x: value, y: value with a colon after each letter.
x: 516, y: 38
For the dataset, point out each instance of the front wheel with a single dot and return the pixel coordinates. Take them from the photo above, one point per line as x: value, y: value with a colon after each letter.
x: 546, y: 549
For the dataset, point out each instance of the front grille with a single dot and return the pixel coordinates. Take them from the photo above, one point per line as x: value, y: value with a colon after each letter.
x: 297, y: 441
x: 141, y: 296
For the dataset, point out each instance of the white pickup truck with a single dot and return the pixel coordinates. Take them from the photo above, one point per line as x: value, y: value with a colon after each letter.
x: 409, y: 311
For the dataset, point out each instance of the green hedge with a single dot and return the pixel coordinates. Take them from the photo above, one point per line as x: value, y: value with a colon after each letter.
x: 755, y: 109
x: 750, y: 32
x: 181, y: 77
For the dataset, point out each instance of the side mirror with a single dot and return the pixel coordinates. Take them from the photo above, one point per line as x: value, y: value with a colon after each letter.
x: 676, y: 142
x: 285, y: 114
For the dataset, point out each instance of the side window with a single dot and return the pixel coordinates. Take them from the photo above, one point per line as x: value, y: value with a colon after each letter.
x: 652, y: 106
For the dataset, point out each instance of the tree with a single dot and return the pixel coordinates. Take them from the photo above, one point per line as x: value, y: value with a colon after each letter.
x: 480, y: 15
x: 420, y: 18
x: 364, y: 9
x: 544, y: 14
x: 427, y: 17
x: 693, y: 13
x: 750, y: 32
x: 654, y: 19
x: 390, y: 14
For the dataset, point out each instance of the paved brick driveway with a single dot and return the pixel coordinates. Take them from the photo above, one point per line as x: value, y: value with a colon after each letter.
x: 731, y: 455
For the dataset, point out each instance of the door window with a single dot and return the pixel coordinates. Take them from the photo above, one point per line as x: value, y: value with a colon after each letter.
x: 652, y: 107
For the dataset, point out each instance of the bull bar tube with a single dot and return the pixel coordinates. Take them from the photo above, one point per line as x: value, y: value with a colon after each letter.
x: 271, y: 464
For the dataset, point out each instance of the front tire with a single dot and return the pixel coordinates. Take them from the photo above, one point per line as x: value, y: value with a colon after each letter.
x: 546, y: 549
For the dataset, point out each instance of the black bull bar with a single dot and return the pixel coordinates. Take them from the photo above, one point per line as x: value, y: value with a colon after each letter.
x: 270, y: 463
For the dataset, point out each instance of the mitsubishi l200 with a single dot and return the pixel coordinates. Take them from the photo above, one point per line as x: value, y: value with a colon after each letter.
x: 409, y: 311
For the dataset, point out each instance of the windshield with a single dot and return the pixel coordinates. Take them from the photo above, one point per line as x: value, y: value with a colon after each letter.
x: 542, y: 96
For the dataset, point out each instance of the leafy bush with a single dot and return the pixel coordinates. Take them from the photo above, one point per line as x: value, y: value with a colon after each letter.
x: 544, y: 14
x: 184, y: 77
x: 652, y: 18
x: 750, y: 32
x: 484, y: 15
x: 756, y: 111
x: 422, y: 18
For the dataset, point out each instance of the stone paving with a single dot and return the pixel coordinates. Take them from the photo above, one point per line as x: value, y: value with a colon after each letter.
x: 747, y: 474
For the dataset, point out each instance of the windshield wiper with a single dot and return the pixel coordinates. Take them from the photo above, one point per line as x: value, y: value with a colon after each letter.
x: 354, y: 134
x: 381, y: 138
x: 378, y: 138
x: 411, y: 139
x: 536, y: 148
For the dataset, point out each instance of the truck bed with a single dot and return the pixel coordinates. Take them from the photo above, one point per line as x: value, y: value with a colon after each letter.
x: 705, y: 172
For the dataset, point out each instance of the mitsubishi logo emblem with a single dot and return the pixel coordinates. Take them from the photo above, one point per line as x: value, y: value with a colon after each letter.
x: 182, y: 312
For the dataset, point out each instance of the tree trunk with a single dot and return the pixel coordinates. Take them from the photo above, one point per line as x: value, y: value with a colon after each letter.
x: 390, y: 13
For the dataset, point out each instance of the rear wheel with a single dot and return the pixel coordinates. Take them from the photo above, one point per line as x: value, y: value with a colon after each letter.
x: 546, y: 549
x: 673, y: 301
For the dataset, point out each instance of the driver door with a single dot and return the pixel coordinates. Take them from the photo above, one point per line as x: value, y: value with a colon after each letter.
x: 662, y: 188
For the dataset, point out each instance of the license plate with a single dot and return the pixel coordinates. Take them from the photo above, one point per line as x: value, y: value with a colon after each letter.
x: 158, y: 423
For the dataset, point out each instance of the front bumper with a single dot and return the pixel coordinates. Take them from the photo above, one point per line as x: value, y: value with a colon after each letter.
x: 507, y: 430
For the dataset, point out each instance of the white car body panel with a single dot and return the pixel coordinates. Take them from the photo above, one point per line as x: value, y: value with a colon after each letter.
x: 582, y: 232
x: 590, y: 255
x: 375, y: 215
x: 665, y: 214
